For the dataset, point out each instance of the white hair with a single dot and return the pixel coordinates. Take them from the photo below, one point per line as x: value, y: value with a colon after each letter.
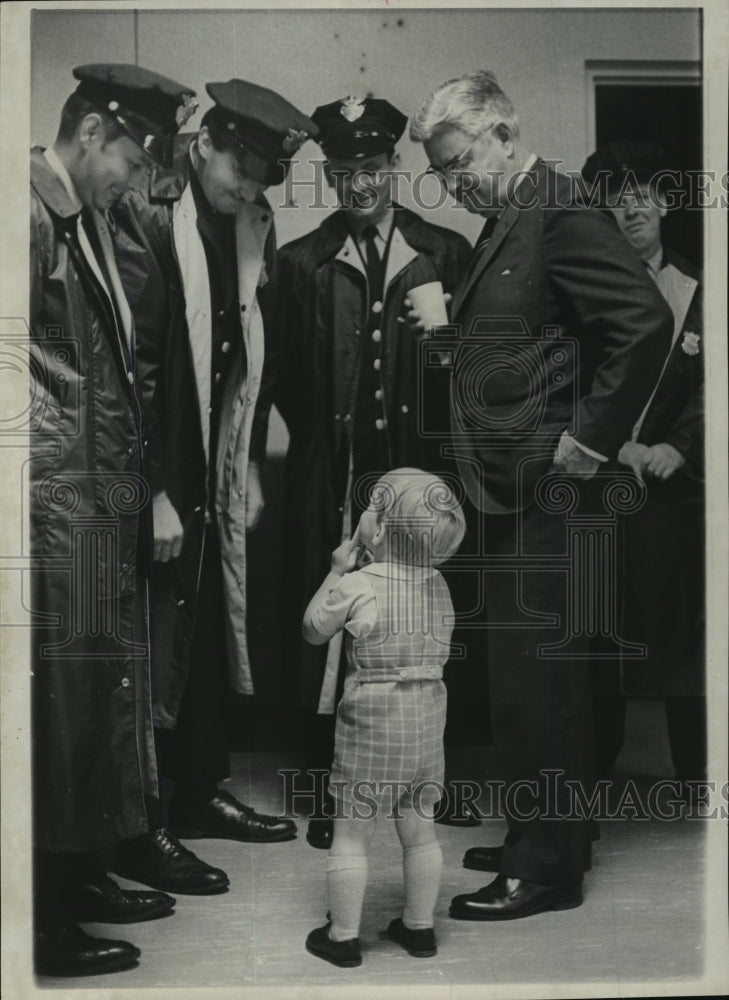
x: 470, y: 103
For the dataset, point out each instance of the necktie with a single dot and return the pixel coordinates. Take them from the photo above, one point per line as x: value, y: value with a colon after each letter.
x: 375, y: 266
x: 486, y: 234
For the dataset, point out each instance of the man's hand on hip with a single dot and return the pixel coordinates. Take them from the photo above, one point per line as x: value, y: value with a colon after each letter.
x: 569, y: 459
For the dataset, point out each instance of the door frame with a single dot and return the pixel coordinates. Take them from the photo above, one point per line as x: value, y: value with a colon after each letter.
x: 632, y: 73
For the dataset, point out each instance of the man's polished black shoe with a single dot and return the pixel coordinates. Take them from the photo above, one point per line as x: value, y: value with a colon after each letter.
x: 510, y: 898
x: 345, y: 954
x: 488, y: 859
x: 63, y: 949
x: 454, y: 810
x: 225, y: 818
x: 104, y: 902
x: 418, y: 943
x: 320, y: 833
x: 483, y: 859
x: 160, y: 860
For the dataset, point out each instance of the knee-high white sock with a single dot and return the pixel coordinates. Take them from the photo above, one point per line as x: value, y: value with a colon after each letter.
x: 422, y: 866
x: 346, y: 883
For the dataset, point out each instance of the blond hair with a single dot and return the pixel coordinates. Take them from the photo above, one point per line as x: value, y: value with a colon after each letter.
x: 423, y: 519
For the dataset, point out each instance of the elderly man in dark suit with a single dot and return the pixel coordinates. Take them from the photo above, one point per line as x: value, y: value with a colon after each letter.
x: 561, y: 337
x: 662, y: 593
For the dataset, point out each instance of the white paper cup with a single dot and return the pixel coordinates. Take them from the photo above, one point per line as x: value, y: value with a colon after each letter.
x: 428, y: 302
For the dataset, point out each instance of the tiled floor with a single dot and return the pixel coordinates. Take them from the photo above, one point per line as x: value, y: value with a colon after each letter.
x: 642, y: 920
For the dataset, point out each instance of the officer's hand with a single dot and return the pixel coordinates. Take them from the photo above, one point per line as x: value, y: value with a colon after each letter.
x: 569, y: 459
x: 662, y: 460
x: 167, y: 529
x: 344, y: 557
x: 413, y: 318
x: 254, y: 497
x: 634, y: 455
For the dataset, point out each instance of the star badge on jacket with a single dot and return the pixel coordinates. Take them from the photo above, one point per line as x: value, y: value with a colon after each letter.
x: 690, y: 343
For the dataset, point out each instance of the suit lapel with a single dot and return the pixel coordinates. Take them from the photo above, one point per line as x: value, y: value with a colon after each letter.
x: 529, y: 185
x: 481, y: 261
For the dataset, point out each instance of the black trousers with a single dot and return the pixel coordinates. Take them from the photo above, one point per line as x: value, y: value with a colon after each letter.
x: 57, y: 875
x: 195, y: 755
x: 541, y: 711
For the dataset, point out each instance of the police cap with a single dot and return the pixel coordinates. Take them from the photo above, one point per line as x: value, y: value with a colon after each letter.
x: 149, y: 107
x: 263, y: 128
x: 356, y: 127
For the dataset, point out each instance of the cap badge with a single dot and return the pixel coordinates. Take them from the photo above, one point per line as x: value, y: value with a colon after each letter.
x: 113, y: 105
x: 186, y: 110
x: 148, y: 140
x: 352, y: 108
x: 294, y: 140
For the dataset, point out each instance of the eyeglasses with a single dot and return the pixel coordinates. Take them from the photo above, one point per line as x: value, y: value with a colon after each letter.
x: 459, y: 162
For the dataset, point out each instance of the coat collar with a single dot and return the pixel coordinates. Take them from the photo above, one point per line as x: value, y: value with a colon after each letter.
x: 398, y: 571
x: 334, y: 231
x: 531, y: 181
x: 49, y: 186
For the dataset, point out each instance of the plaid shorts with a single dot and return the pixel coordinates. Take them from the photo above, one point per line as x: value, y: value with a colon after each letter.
x: 390, y: 731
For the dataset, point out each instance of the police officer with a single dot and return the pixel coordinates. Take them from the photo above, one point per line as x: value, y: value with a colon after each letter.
x: 348, y: 384
x: 94, y: 775
x: 207, y: 370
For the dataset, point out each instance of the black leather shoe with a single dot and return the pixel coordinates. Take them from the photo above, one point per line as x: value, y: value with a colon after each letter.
x: 346, y: 954
x: 510, y: 898
x: 104, y: 902
x: 320, y: 833
x: 225, y: 818
x: 488, y: 859
x: 483, y: 859
x: 65, y: 950
x: 453, y: 811
x: 418, y: 943
x: 159, y: 860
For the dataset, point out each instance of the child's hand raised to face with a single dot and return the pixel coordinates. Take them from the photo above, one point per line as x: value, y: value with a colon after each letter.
x: 345, y: 557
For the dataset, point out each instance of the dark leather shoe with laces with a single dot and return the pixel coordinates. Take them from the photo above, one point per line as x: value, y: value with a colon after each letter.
x: 418, y: 943
x: 509, y: 898
x: 63, y: 949
x: 159, y: 859
x: 104, y: 902
x: 225, y: 818
x: 345, y: 954
x: 320, y: 833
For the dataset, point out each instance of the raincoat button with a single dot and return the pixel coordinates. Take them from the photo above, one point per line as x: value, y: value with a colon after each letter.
x: 180, y: 602
x: 380, y: 424
x: 377, y: 336
x: 378, y: 393
x: 125, y: 682
x: 404, y: 408
x: 217, y: 376
x: 130, y: 378
x: 197, y: 510
x: 376, y: 307
x: 376, y: 364
x: 221, y: 313
x: 225, y: 346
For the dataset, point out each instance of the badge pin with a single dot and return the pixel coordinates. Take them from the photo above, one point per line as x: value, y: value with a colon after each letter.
x: 352, y: 108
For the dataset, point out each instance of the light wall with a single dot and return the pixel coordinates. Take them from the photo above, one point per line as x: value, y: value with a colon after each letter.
x: 313, y: 57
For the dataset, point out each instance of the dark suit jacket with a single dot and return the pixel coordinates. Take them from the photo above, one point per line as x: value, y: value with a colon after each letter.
x: 560, y: 328
x: 676, y: 412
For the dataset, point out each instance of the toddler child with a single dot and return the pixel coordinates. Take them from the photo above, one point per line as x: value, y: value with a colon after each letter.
x: 395, y: 608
